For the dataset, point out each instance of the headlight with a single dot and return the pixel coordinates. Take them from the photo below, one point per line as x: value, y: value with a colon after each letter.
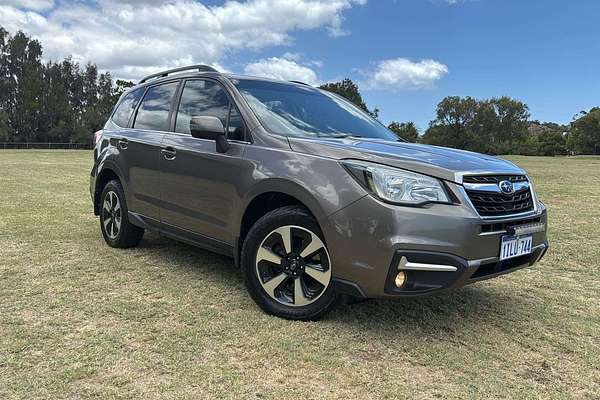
x: 396, y: 185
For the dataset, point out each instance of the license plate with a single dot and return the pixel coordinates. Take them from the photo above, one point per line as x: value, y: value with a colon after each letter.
x: 515, y: 246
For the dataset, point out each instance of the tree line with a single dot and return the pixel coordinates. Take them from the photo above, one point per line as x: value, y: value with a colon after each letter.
x: 62, y: 101
x: 53, y: 101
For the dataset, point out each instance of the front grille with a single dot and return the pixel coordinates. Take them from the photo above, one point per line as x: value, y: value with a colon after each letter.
x: 490, y: 204
x: 494, y: 178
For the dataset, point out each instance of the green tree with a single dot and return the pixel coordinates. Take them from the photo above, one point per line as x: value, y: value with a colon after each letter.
x: 551, y: 143
x: 56, y: 101
x: 22, y: 72
x: 107, y: 98
x: 584, y: 137
x: 405, y: 130
x: 349, y: 90
x: 544, y: 139
x: 496, y: 126
x: 452, y: 127
x: 91, y: 116
x: 3, y: 126
x: 121, y: 87
x: 511, y: 130
x: 6, y: 83
x: 57, y: 109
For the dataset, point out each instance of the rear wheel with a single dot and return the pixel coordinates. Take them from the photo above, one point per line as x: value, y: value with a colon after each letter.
x: 286, y: 265
x: 115, y: 226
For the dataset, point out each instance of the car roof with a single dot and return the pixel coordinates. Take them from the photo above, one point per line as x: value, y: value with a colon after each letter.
x: 201, y: 70
x: 197, y: 71
x: 264, y: 79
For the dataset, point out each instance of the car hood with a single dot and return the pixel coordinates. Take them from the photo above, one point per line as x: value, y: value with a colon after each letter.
x: 441, y: 162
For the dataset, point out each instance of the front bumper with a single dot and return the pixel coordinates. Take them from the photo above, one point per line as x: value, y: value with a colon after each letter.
x: 466, y: 271
x: 367, y: 240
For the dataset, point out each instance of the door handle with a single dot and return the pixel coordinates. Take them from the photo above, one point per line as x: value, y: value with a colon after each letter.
x: 169, y: 153
x: 123, y: 143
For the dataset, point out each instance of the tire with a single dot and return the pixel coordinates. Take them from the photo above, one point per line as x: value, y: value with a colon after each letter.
x: 292, y: 278
x: 114, y: 224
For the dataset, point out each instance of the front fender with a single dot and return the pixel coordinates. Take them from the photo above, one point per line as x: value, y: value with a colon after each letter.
x: 320, y: 183
x: 284, y: 186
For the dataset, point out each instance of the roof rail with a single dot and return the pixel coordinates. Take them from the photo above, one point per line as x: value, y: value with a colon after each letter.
x: 199, y: 67
x: 300, y: 83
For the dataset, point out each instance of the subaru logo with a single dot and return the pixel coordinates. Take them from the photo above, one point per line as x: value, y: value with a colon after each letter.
x: 506, y: 187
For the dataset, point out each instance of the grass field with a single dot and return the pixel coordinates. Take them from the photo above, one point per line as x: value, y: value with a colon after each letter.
x: 166, y: 320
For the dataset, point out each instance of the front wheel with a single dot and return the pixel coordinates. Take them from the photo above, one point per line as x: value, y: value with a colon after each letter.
x: 286, y: 265
x: 115, y: 226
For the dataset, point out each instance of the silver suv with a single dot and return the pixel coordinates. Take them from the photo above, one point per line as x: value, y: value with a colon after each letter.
x: 311, y: 197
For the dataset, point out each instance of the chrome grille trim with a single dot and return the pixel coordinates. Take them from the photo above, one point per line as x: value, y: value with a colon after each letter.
x: 494, y: 188
x: 487, y: 199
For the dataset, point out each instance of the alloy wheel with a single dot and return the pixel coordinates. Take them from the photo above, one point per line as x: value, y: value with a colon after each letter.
x: 293, y: 266
x: 111, y: 215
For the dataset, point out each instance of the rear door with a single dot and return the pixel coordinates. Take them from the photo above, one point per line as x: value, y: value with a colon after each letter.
x: 141, y: 144
x: 199, y: 185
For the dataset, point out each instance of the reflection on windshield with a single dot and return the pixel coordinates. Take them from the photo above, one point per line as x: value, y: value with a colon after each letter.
x: 295, y: 110
x: 351, y: 108
x: 282, y: 122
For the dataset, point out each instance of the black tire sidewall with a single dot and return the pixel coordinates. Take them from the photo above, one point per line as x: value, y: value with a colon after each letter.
x: 291, y: 215
x: 129, y: 235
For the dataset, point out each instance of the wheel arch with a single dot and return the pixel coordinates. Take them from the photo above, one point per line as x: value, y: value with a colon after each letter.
x: 273, y: 194
x: 107, y: 173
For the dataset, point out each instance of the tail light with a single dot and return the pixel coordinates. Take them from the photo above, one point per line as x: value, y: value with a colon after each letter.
x: 97, y: 136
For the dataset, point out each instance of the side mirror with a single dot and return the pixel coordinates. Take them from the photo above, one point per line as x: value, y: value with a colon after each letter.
x: 210, y: 128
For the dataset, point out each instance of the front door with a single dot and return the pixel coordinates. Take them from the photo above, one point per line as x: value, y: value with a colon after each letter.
x: 199, y: 185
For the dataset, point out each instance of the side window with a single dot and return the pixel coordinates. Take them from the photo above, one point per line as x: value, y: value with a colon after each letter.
x: 202, y: 98
x: 235, y: 130
x: 125, y: 108
x: 153, y: 113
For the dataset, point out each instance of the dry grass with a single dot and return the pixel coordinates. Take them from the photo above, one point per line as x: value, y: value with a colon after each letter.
x: 165, y: 320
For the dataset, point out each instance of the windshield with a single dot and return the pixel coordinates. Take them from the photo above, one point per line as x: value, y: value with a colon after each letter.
x: 296, y: 110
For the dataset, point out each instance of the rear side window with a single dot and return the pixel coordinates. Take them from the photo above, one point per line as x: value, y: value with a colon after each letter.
x: 153, y: 113
x: 125, y: 108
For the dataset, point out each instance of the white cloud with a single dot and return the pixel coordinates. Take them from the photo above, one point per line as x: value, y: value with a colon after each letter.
x: 292, y: 56
x: 335, y: 28
x: 282, y: 69
x: 130, y: 36
x: 299, y: 58
x: 35, y: 5
x: 402, y: 73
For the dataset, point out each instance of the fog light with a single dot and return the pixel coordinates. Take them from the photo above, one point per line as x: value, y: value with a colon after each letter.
x: 400, y: 279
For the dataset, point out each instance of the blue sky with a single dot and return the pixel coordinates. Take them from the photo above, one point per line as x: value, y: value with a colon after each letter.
x: 406, y: 54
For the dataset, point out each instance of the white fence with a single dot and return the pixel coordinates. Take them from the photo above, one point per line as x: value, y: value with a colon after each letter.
x: 42, y: 145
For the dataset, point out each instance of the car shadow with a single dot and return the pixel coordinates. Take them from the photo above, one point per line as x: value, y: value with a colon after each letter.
x: 449, y: 311
x: 440, y: 313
